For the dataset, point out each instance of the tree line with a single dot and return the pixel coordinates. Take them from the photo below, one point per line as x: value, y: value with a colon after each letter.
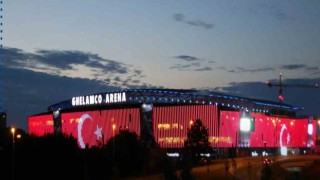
x: 58, y: 156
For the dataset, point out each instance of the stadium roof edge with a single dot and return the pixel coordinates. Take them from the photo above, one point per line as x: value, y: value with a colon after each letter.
x: 183, y: 96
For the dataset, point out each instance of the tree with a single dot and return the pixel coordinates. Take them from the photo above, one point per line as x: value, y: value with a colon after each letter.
x: 197, y: 141
x: 52, y: 156
x: 125, y: 149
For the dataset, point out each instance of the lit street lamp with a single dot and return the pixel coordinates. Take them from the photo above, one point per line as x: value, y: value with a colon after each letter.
x: 13, y: 130
x: 191, y: 123
x: 13, y: 141
x: 113, y: 128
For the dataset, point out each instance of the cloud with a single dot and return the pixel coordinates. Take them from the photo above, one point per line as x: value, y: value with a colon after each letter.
x: 67, y: 60
x: 137, y: 72
x: 178, y: 17
x: 117, y: 78
x: 197, y: 23
x: 200, y: 24
x: 314, y: 68
x: 27, y: 92
x: 244, y: 70
x: 259, y: 90
x: 190, y: 67
x: 14, y: 53
x: 293, y: 66
x: 204, y: 69
x: 62, y: 59
x: 192, y: 63
x: 274, y: 11
x: 283, y: 17
x: 266, y: 69
x: 222, y: 68
x: 195, y: 64
x: 70, y: 64
x: 181, y: 67
x: 136, y: 81
x: 14, y: 57
x: 187, y: 58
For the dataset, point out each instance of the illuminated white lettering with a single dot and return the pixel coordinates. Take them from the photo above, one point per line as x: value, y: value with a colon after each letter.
x: 115, y: 97
x: 87, y: 100
x: 119, y: 97
x: 91, y: 99
x: 111, y: 98
x: 81, y: 100
x: 77, y: 101
x: 95, y: 99
x: 107, y: 98
x: 124, y: 99
x: 73, y: 101
x: 99, y: 99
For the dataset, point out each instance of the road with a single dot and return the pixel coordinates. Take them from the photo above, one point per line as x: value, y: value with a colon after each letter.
x: 244, y: 171
x: 241, y: 170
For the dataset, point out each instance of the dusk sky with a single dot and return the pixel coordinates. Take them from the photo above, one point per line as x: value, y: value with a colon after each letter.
x: 56, y: 49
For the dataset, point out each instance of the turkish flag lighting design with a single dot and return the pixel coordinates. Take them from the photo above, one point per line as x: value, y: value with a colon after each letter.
x: 92, y: 127
x: 275, y: 131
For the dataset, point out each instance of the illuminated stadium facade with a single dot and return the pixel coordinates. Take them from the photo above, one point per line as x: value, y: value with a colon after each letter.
x: 166, y: 114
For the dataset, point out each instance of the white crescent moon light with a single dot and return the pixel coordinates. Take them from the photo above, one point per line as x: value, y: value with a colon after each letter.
x: 284, y: 127
x: 81, y: 121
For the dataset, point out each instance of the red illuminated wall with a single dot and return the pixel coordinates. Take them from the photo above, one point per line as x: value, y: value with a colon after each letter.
x: 279, y: 132
x: 40, y: 125
x: 275, y: 131
x: 170, y: 124
x: 229, y: 125
x: 91, y: 127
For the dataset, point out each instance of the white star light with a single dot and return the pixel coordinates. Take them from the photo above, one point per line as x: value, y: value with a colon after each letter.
x: 98, y: 132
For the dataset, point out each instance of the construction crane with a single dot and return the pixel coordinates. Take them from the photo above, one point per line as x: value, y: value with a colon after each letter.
x: 282, y: 85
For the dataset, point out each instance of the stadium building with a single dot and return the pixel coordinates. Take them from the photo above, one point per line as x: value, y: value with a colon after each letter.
x: 250, y: 125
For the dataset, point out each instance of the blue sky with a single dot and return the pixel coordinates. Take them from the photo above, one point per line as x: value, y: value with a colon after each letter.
x: 223, y: 45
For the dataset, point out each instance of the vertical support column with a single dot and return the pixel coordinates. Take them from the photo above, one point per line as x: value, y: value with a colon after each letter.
x: 146, y: 128
x: 317, y: 132
x: 245, y: 127
x: 310, y: 132
x: 57, y: 127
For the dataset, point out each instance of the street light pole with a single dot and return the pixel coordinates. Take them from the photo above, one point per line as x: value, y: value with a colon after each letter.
x: 12, y: 163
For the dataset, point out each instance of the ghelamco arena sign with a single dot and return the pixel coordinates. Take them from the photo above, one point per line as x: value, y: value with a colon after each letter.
x: 97, y: 99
